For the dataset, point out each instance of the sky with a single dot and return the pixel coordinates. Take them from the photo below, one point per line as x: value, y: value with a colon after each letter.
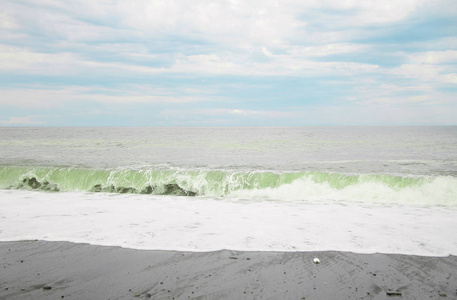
x: 228, y: 63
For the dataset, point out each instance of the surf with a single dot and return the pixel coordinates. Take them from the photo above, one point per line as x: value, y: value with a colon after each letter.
x: 248, y: 184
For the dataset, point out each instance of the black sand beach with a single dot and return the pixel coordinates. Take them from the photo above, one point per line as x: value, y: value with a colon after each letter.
x: 56, y: 270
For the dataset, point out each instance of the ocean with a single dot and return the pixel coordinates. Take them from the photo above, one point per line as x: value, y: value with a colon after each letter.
x: 358, y: 189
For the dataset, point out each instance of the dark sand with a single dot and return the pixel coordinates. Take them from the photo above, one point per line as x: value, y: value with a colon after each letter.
x: 56, y: 270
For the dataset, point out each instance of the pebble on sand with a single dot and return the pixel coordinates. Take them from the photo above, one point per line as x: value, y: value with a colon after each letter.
x: 393, y: 293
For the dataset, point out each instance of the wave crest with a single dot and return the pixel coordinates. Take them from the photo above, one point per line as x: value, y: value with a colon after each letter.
x: 296, y: 186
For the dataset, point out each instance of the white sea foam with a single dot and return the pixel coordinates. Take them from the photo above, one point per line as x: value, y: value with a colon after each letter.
x: 441, y: 191
x: 206, y: 224
x: 271, y: 185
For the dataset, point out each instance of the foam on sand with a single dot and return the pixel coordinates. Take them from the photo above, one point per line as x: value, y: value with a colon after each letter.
x: 208, y: 224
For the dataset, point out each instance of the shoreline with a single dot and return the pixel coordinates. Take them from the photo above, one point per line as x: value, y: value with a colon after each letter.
x: 65, y: 270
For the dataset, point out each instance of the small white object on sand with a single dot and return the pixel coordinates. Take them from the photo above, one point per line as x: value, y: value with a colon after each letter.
x: 316, y: 260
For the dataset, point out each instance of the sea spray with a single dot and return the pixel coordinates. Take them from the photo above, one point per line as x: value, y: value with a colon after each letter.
x: 269, y: 185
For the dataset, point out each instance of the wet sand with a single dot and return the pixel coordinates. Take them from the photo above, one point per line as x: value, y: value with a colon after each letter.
x: 63, y: 270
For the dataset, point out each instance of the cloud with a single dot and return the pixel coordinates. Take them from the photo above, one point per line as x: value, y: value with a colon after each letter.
x: 426, y: 73
x: 376, y: 113
x: 27, y: 120
x: 266, y: 114
x: 227, y: 37
x: 230, y: 113
x: 435, y: 57
x: 220, y: 61
x: 233, y: 24
x: 327, y: 49
x: 19, y: 59
x: 7, y: 21
x: 43, y: 98
x: 14, y: 59
x: 32, y: 98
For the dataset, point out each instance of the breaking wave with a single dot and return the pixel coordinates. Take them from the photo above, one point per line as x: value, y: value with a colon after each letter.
x: 269, y: 185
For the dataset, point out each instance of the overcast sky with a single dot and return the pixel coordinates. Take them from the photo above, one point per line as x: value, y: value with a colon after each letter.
x: 228, y: 63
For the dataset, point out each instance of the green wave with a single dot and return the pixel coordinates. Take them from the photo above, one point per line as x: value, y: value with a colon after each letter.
x: 202, y: 182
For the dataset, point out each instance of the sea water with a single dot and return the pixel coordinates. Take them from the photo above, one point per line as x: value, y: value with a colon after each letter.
x: 359, y: 189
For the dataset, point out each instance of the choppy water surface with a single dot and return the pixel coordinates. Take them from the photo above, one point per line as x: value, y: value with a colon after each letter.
x: 396, y: 150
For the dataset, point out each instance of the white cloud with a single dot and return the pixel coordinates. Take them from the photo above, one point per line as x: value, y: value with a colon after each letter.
x: 34, y: 98
x: 245, y: 37
x: 182, y: 39
x: 266, y: 114
x: 224, y: 115
x: 327, y: 49
x: 434, y: 57
x: 450, y: 78
x: 56, y: 20
x: 241, y: 25
x: 375, y: 93
x: 374, y: 12
x: 276, y: 65
x: 245, y: 25
x: 426, y: 73
x: 233, y: 24
x: 113, y: 99
x: 7, y: 22
x: 375, y: 113
x: 28, y: 120
x: 23, y: 60
x: 15, y: 59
